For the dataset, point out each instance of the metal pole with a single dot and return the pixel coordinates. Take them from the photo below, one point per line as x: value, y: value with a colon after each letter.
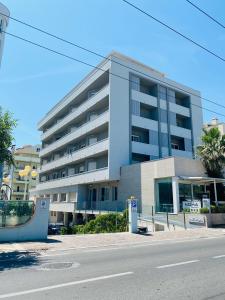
x: 215, y: 192
x: 153, y: 219
x: 185, y: 227
x: 167, y: 219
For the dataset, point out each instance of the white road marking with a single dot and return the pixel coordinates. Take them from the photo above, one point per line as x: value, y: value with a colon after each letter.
x: 178, y: 264
x: 51, y: 287
x: 218, y: 256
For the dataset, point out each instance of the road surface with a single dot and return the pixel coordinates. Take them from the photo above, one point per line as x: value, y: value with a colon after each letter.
x: 193, y: 269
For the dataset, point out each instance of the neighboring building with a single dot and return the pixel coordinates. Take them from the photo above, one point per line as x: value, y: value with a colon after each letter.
x: 4, y: 19
x: 107, y: 122
x: 215, y: 124
x: 25, y: 156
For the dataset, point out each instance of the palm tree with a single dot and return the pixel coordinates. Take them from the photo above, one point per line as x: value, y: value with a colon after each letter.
x: 212, y: 152
x: 212, y: 155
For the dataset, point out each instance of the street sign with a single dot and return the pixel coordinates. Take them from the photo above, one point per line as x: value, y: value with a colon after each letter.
x: 43, y: 204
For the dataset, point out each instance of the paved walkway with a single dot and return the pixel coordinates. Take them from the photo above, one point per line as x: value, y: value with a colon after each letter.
x: 65, y: 242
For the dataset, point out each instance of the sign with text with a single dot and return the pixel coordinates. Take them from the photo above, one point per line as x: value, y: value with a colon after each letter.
x: 193, y: 205
x: 43, y: 204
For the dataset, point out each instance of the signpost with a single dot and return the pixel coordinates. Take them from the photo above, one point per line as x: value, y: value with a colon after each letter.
x: 133, y: 216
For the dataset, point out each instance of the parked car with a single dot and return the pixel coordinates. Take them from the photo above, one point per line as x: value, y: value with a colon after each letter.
x: 54, y: 228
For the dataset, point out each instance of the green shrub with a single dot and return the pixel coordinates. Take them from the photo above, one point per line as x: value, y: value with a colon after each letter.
x: 63, y: 230
x: 186, y: 210
x: 113, y: 222
x: 204, y: 210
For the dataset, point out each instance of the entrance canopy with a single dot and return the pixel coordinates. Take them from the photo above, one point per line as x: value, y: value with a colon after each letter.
x: 201, y: 180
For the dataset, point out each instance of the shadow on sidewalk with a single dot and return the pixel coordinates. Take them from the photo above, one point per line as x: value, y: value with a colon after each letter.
x: 18, y: 259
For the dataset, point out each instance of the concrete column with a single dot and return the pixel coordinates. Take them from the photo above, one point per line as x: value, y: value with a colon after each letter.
x: 59, y: 197
x: 74, y: 218
x: 66, y: 220
x: 176, y: 198
x: 67, y: 197
x: 51, y: 198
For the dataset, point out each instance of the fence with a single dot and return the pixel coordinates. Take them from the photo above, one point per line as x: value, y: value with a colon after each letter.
x: 15, y: 213
x: 171, y: 221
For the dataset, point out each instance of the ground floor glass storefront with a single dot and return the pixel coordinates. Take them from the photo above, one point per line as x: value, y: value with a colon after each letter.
x: 164, y: 195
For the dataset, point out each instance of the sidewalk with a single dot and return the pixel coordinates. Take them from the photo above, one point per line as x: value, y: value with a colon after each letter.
x: 76, y: 242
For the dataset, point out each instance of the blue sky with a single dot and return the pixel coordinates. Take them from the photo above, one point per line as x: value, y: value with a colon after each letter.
x: 33, y: 80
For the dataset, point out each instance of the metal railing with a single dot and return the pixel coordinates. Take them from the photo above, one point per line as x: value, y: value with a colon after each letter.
x: 15, y: 213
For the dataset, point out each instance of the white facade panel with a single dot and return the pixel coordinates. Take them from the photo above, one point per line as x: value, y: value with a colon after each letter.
x: 179, y: 131
x: 178, y: 109
x: 145, y: 149
x: 144, y: 123
x: 180, y: 153
x: 144, y: 98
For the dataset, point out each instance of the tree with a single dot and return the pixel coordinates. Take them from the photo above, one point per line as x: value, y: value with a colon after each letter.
x: 212, y: 155
x: 212, y: 152
x: 7, y: 125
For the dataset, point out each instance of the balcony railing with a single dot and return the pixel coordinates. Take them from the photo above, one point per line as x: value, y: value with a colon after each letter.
x: 58, y: 121
x: 73, y: 175
x: 15, y: 213
x: 78, y: 128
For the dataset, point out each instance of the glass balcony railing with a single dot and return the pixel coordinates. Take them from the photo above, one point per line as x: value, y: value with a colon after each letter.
x: 15, y: 213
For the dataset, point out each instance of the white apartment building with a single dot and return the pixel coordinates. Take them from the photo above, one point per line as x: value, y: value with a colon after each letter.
x: 215, y: 123
x: 121, y: 113
x: 4, y: 19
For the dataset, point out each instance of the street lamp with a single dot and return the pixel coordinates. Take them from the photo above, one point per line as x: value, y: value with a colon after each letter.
x: 28, y: 174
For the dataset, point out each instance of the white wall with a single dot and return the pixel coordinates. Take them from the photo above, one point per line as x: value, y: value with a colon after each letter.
x: 119, y: 120
x: 35, y: 229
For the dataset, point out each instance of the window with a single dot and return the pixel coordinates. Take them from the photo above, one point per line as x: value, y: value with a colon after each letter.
x: 63, y: 197
x: 104, y: 193
x: 114, y: 193
x: 55, y: 197
x: 92, y: 165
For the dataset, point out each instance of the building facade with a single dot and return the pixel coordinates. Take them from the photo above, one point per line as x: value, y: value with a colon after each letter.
x: 4, y: 19
x: 25, y: 156
x: 215, y: 123
x: 122, y: 113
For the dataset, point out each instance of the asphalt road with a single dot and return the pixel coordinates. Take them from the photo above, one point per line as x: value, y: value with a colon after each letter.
x: 192, y: 269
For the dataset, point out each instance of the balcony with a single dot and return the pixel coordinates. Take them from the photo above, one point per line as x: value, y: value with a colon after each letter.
x: 88, y: 151
x: 181, y: 132
x: 81, y: 178
x: 178, y: 109
x: 80, y: 131
x: 144, y: 123
x: 144, y: 98
x: 145, y: 149
x: 63, y: 206
x: 77, y: 112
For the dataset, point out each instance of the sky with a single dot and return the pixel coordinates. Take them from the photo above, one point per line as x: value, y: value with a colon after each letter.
x: 32, y: 80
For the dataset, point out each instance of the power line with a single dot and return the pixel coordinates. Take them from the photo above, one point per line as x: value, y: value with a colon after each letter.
x: 205, y: 13
x: 107, y: 58
x: 90, y: 65
x: 176, y: 31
